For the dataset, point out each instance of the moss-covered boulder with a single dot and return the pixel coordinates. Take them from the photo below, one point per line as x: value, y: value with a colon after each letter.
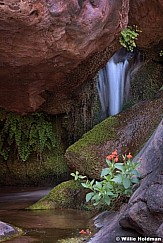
x: 68, y: 194
x: 125, y: 132
x: 50, y: 171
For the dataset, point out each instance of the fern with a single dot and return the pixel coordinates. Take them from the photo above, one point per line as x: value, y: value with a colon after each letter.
x: 27, y: 134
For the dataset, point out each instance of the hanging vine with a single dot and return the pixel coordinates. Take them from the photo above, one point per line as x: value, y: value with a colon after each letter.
x: 25, y: 134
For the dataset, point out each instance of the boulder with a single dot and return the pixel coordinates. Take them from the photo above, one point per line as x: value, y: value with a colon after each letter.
x: 125, y: 132
x: 143, y: 215
x: 144, y: 212
x: 7, y: 231
x: 110, y: 230
x: 68, y: 194
x: 51, y: 170
x: 160, y: 231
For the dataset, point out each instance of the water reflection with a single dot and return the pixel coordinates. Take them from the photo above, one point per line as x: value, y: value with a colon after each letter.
x: 46, y: 226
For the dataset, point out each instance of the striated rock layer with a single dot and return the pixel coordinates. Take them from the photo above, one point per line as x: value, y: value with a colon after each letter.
x: 43, y: 41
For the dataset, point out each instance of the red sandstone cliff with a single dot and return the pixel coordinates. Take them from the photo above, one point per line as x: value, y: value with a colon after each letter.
x: 51, y: 47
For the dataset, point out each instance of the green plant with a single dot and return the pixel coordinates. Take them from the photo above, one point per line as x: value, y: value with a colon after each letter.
x: 77, y: 176
x: 116, y: 180
x: 161, y: 53
x: 128, y: 37
x: 25, y: 134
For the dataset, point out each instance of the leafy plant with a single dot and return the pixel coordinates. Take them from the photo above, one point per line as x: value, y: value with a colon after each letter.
x: 26, y: 134
x: 116, y: 180
x: 128, y: 37
x: 77, y: 176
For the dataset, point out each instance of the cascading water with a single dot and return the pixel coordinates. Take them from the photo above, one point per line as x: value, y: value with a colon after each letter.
x: 114, y: 82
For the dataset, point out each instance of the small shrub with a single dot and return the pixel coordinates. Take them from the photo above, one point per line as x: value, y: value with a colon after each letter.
x: 116, y: 180
x: 128, y: 37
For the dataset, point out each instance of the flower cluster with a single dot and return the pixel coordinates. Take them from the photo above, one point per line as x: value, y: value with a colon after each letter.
x: 113, y: 156
x: 87, y: 232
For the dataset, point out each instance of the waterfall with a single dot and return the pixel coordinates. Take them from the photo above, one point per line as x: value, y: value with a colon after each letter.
x: 113, y: 82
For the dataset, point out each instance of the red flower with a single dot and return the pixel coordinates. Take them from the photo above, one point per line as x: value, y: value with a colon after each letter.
x: 116, y: 159
x: 83, y: 232
x: 114, y: 152
x: 109, y: 157
x: 87, y: 232
x: 129, y: 156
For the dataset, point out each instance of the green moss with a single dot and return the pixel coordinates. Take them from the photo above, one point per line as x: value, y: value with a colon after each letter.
x: 65, y: 195
x: 54, y: 160
x: 51, y: 168
x: 100, y: 133
x: 147, y: 81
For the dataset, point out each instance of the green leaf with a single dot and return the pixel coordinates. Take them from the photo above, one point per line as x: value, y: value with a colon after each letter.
x: 86, y: 185
x: 126, y: 183
x: 135, y: 172
x: 109, y: 193
x: 82, y: 177
x: 107, y: 200
x: 72, y: 174
x: 98, y: 185
x: 89, y: 196
x: 105, y: 172
x: 117, y: 179
x: 92, y: 182
x: 96, y: 197
x: 119, y: 166
x: 134, y: 180
x: 107, y: 185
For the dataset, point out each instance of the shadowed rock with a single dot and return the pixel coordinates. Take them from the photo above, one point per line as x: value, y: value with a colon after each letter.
x: 111, y: 231
x: 144, y: 212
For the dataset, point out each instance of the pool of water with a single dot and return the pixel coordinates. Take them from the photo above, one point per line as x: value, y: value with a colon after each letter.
x: 46, y: 226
